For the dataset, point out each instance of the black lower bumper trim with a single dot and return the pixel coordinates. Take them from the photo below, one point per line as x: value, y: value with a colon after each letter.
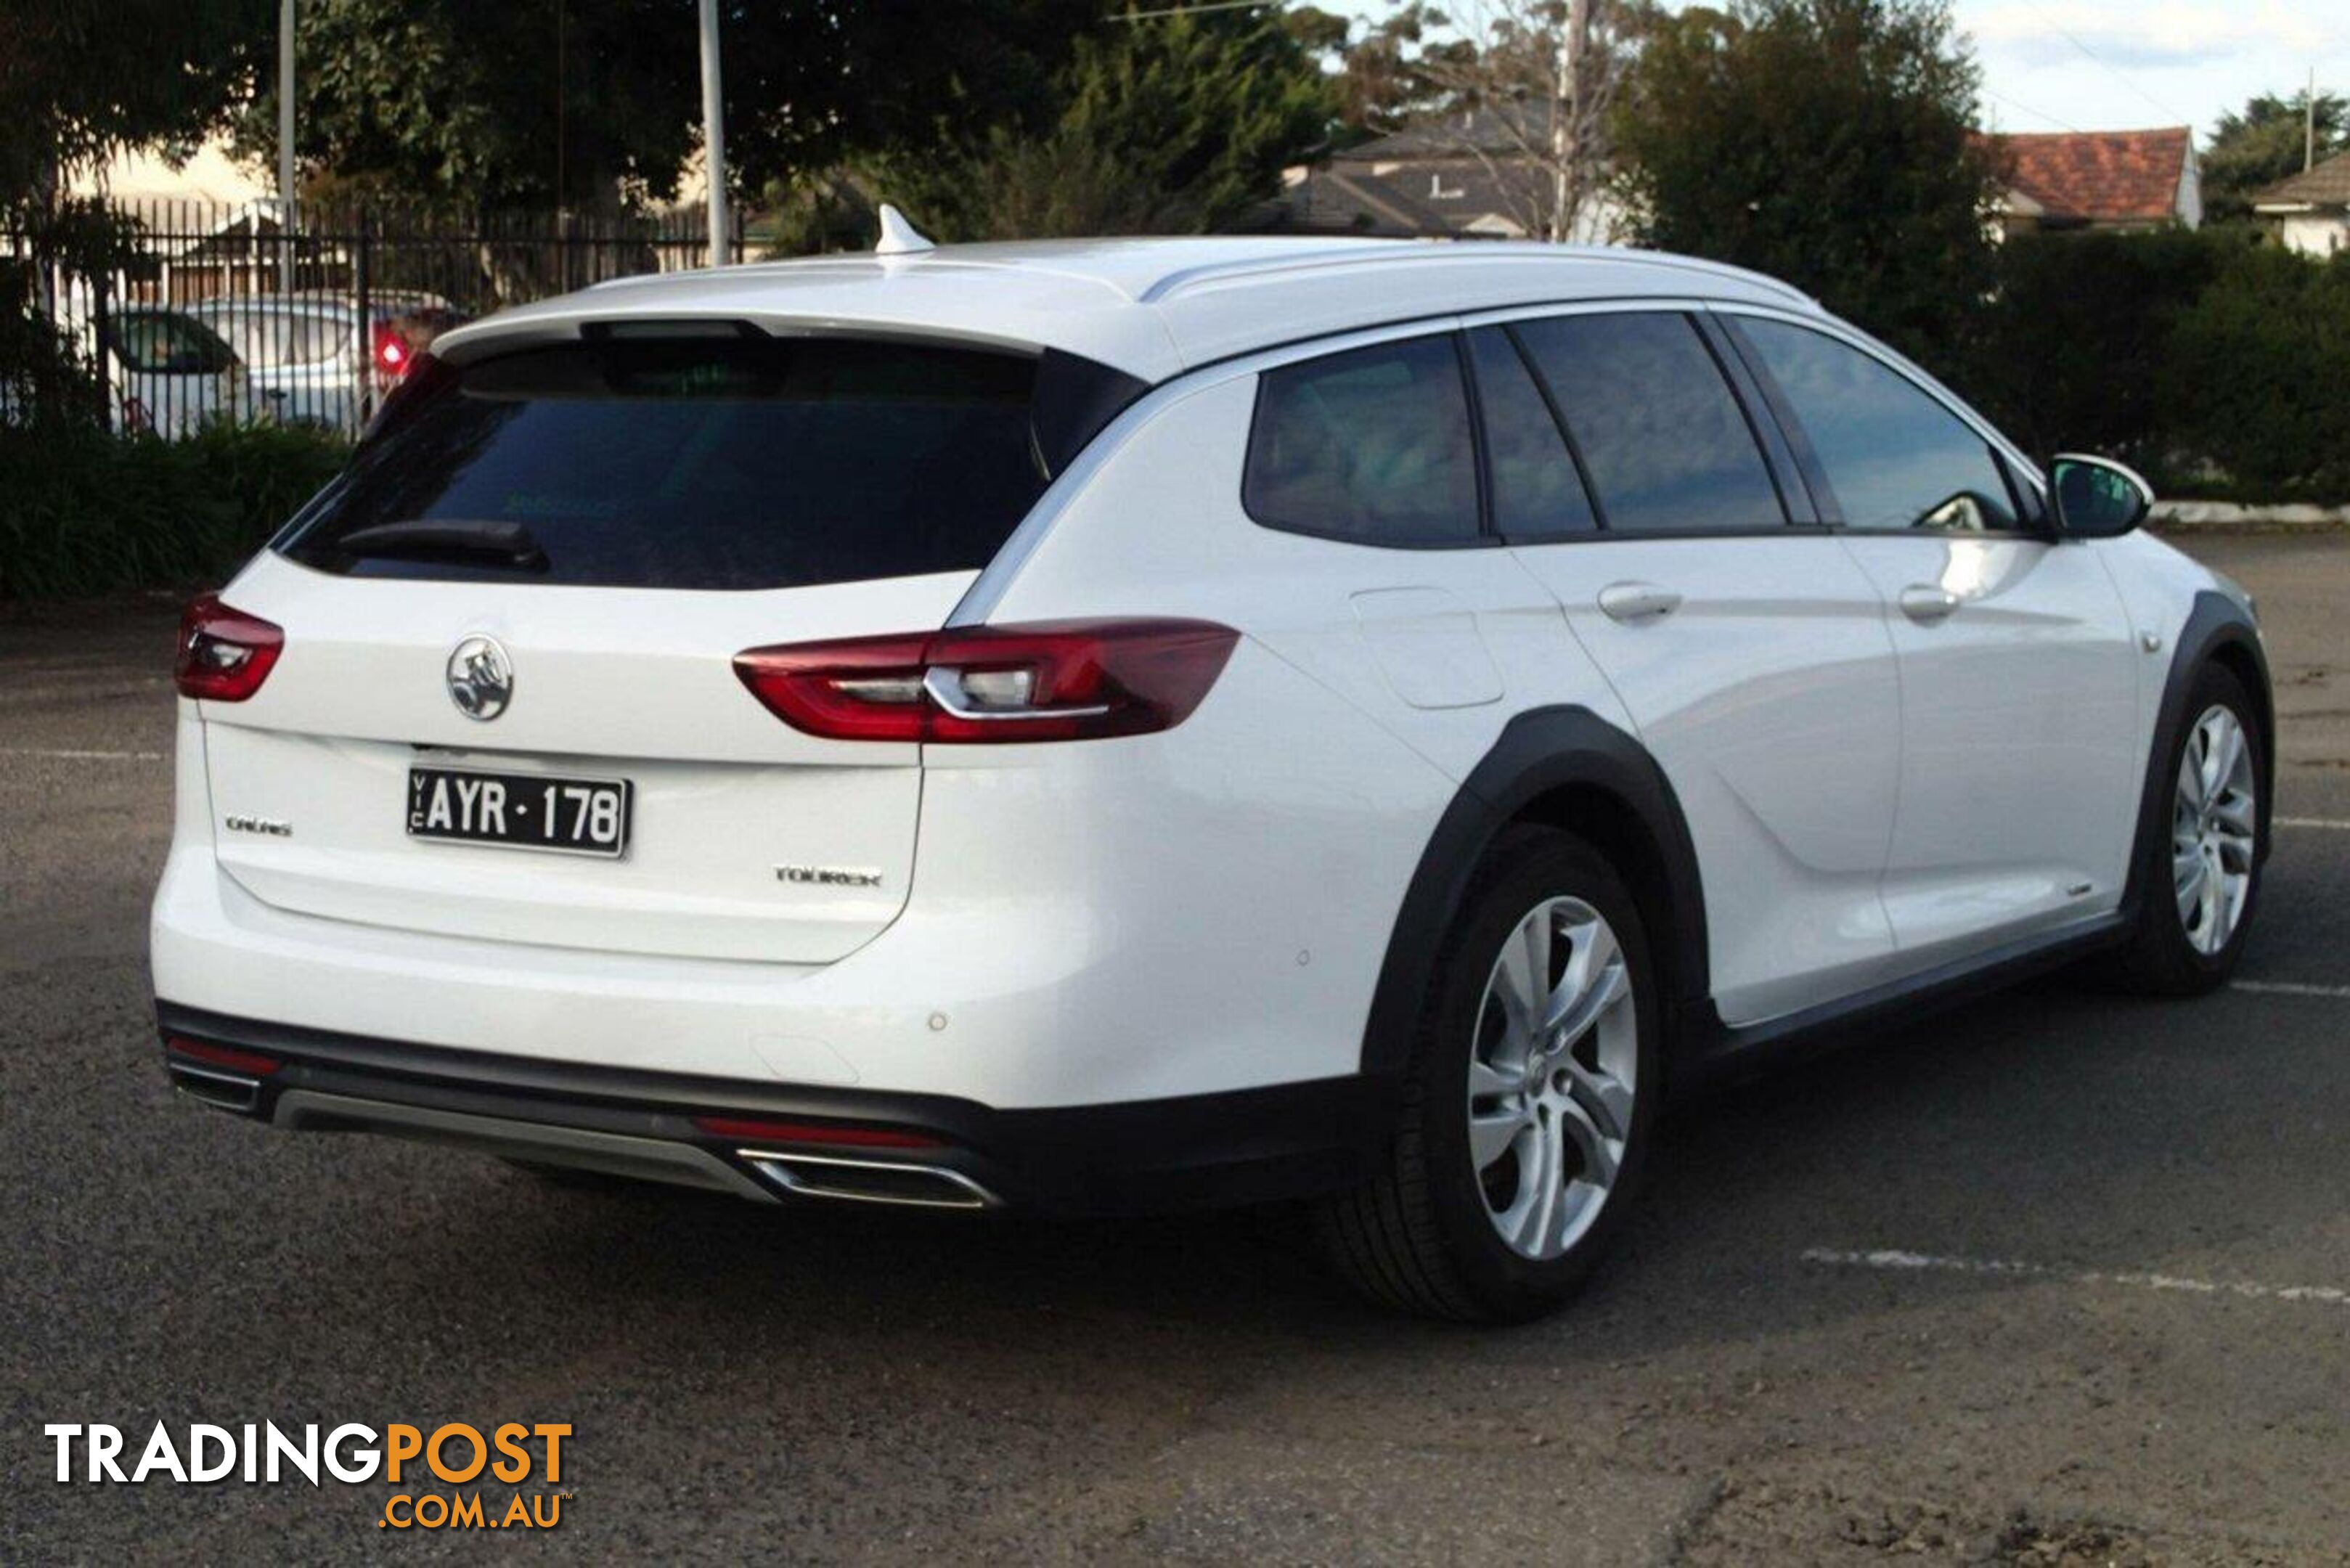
x: 1239, y: 1147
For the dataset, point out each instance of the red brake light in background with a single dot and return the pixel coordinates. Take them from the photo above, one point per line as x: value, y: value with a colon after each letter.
x: 392, y: 356
x: 1052, y: 680
x: 225, y: 654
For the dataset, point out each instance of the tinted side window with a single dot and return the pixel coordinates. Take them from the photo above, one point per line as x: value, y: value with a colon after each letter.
x: 1536, y: 490
x: 165, y: 342
x: 1666, y: 444
x: 1894, y: 456
x: 1371, y: 445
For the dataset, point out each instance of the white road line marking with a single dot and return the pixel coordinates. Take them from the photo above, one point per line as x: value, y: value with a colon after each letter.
x: 2309, y: 821
x: 1898, y: 1262
x: 78, y: 756
x: 2288, y: 988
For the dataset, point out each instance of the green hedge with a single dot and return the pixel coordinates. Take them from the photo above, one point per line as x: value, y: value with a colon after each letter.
x: 2257, y: 379
x: 2218, y: 365
x: 83, y: 512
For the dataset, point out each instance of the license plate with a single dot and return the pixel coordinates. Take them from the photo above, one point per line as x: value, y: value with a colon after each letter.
x: 520, y: 811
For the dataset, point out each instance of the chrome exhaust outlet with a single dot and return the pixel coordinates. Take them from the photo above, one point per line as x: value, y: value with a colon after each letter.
x: 869, y: 1180
x: 216, y: 1085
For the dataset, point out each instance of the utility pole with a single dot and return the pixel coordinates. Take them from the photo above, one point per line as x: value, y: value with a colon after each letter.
x: 713, y: 131
x: 2308, y: 124
x: 286, y: 146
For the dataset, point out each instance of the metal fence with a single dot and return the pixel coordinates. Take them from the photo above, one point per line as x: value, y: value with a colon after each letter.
x: 211, y: 312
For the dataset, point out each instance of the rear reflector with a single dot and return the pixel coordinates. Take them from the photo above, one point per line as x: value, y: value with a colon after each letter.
x: 1051, y: 680
x: 836, y: 1135
x: 225, y: 654
x: 227, y: 1056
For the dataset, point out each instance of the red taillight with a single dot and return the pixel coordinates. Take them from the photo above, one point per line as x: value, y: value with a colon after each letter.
x: 1052, y: 680
x: 391, y: 353
x: 228, y: 1057
x: 225, y: 654
x: 839, y: 1135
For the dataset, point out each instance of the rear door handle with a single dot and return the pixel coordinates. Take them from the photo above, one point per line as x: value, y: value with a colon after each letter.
x: 1637, y: 601
x: 1926, y: 604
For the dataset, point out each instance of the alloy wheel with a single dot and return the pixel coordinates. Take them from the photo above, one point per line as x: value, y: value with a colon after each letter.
x: 1553, y: 1073
x: 2214, y: 822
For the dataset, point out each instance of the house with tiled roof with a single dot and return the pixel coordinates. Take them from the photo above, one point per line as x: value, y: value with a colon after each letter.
x: 2099, y: 180
x: 1460, y: 176
x: 2311, y: 210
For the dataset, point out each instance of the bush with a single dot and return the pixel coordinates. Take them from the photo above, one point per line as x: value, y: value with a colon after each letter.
x: 83, y: 512
x: 2074, y: 343
x: 1179, y: 126
x: 2257, y: 379
x: 2215, y: 365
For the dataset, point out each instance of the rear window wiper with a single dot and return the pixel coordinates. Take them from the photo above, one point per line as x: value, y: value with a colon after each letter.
x: 432, y: 538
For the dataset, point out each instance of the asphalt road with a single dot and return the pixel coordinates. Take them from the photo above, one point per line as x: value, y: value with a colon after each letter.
x: 2056, y: 1278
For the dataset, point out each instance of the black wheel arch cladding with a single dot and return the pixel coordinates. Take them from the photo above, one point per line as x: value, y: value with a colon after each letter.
x: 1549, y: 760
x: 2218, y: 630
x: 1546, y: 761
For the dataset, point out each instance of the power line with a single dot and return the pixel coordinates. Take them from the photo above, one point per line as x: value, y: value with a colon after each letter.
x: 2063, y: 32
x: 2036, y: 114
x: 1181, y: 10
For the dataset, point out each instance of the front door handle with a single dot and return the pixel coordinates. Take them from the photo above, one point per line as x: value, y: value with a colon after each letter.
x: 1927, y: 603
x: 1637, y: 601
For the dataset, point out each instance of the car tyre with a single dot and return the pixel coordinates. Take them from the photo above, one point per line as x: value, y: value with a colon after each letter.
x: 2201, y: 865
x: 1522, y: 1130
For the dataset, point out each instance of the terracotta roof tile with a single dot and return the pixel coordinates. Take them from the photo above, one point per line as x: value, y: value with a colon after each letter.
x: 2113, y: 176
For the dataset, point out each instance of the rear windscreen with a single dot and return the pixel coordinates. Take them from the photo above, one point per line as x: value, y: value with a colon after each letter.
x: 689, y: 463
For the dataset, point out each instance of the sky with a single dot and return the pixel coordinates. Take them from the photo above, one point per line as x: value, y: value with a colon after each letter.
x: 2117, y: 65
x: 2101, y: 65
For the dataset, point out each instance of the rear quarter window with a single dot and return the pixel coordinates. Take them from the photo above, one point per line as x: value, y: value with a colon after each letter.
x: 1372, y: 446
x: 697, y: 464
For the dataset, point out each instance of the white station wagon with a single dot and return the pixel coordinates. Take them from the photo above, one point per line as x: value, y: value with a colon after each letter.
x: 1126, y: 724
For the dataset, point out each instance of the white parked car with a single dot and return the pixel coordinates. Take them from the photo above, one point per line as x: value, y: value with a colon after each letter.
x: 307, y: 360
x: 1108, y: 725
x: 167, y: 374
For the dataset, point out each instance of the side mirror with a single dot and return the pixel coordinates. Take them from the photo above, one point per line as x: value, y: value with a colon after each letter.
x: 2096, y: 497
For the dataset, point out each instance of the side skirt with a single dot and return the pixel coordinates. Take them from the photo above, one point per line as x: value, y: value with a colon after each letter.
x: 1717, y: 1055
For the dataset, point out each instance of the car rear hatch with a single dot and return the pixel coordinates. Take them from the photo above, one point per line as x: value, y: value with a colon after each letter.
x: 535, y: 575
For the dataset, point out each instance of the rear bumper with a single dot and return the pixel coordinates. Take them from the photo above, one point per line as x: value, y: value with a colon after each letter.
x: 1195, y: 1151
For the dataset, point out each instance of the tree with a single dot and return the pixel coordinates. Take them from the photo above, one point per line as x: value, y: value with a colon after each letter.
x: 2264, y: 143
x: 1395, y: 74
x: 1535, y: 95
x: 79, y: 81
x: 490, y: 104
x: 83, y: 79
x: 596, y: 104
x: 1828, y: 142
x: 1175, y: 124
